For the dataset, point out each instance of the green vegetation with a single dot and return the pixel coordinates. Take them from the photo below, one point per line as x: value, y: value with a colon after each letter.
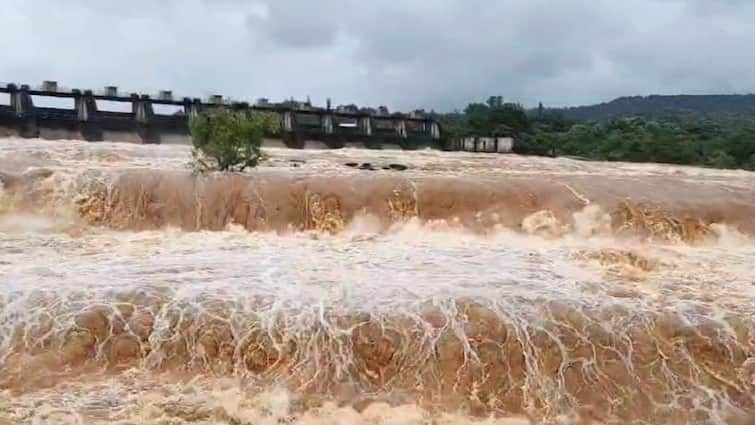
x: 491, y: 118
x: 724, y: 139
x: 230, y: 140
x: 716, y: 107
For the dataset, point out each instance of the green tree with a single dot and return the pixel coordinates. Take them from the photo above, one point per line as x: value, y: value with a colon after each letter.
x: 230, y: 139
x: 749, y: 164
x: 725, y: 139
x: 721, y: 159
x: 453, y: 128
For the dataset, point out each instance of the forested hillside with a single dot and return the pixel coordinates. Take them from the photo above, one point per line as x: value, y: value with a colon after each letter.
x: 724, y: 107
x: 719, y: 133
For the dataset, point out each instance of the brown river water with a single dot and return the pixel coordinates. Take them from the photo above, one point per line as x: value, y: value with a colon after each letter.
x: 466, y: 289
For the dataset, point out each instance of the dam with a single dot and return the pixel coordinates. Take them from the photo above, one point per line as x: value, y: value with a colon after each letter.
x: 468, y: 289
x: 464, y: 288
x: 143, y: 123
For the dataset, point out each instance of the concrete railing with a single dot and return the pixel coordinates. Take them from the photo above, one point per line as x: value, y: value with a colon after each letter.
x: 335, y: 128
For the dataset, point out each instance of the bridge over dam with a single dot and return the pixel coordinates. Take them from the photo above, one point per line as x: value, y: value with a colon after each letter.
x: 139, y: 120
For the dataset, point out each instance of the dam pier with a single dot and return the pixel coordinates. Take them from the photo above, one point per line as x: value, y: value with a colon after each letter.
x: 301, y: 122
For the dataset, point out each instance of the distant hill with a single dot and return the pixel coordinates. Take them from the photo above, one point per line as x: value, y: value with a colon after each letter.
x: 709, y: 106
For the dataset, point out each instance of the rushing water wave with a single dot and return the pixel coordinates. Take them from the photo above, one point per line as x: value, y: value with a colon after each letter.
x: 464, y: 289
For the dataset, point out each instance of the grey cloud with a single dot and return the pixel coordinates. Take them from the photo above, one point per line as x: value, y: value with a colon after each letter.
x: 307, y: 25
x: 403, y: 53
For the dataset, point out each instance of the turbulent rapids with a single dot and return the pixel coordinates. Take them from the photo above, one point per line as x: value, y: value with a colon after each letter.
x: 464, y: 289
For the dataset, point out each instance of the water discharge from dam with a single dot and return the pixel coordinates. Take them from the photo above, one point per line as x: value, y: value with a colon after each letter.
x: 465, y: 289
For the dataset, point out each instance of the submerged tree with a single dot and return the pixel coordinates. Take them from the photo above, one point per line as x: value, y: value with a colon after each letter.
x: 230, y: 140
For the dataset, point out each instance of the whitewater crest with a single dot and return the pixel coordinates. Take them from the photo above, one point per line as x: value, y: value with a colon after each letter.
x: 148, y: 200
x: 467, y: 289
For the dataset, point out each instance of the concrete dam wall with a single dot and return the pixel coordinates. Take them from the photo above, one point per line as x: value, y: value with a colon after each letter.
x: 139, y: 122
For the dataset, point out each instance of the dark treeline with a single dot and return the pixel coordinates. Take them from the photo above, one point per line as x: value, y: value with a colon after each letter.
x: 724, y: 138
x: 720, y: 107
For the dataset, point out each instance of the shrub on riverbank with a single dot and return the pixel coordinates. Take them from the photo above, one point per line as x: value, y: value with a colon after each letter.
x: 229, y: 140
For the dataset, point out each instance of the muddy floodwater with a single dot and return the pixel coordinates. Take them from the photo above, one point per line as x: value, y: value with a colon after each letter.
x: 371, y: 287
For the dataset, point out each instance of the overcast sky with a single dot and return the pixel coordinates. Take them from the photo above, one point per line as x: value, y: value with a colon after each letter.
x: 406, y: 54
